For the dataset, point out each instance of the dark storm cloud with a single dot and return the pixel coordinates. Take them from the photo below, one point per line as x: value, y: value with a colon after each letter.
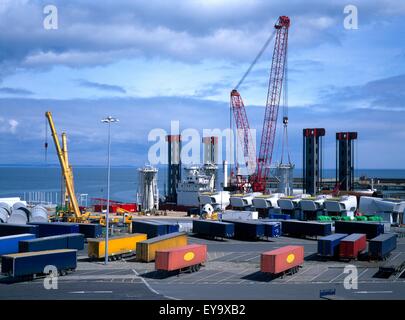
x: 383, y: 94
x: 15, y: 91
x: 90, y: 33
x: 101, y: 86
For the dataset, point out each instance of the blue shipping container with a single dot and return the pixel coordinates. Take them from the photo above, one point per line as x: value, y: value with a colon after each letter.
x: 214, y: 228
x: 151, y: 228
x: 305, y: 228
x: 170, y: 226
x: 43, y: 244
x: 47, y: 229
x: 75, y: 241
x: 329, y: 246
x: 9, y: 244
x: 8, y: 229
x: 91, y: 230
x: 272, y: 229
x: 249, y: 230
x: 30, y: 263
x: 381, y: 246
x: 371, y: 230
x: 279, y: 216
x: 67, y: 241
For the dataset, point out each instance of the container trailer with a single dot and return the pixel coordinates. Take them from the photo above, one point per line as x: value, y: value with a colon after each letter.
x: 303, y: 229
x: 189, y: 257
x: 284, y: 260
x: 118, y: 246
x: 9, y: 244
x: 371, y: 230
x: 67, y: 241
x: 248, y: 230
x: 31, y: 264
x: 91, y: 230
x: 351, y: 246
x: 279, y: 216
x: 47, y: 229
x: 272, y: 229
x: 329, y: 246
x: 75, y: 241
x: 214, y: 229
x: 8, y: 229
x: 170, y: 226
x: 146, y: 250
x: 380, y: 247
x: 151, y: 228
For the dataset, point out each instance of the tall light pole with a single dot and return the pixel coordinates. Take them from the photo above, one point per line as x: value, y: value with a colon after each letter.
x: 108, y: 120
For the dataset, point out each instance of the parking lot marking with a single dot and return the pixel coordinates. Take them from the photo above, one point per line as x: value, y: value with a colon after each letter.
x: 182, y: 276
x: 319, y: 274
x: 299, y: 274
x: 367, y: 292
x: 239, y: 256
x: 333, y: 279
x: 256, y: 256
x: 234, y: 275
x: 211, y: 275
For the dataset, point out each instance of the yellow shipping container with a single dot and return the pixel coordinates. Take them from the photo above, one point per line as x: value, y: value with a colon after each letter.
x: 146, y: 250
x: 117, y: 246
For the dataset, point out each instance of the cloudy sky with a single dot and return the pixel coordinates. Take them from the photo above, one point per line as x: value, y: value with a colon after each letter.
x: 151, y: 62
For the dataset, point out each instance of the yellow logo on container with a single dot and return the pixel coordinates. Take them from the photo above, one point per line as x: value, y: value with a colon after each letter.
x: 290, y: 258
x: 189, y: 256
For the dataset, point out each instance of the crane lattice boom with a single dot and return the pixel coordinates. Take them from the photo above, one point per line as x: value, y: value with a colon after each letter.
x: 277, y: 72
x: 243, y: 130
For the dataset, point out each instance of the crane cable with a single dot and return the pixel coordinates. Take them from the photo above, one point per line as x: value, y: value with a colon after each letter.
x: 266, y: 44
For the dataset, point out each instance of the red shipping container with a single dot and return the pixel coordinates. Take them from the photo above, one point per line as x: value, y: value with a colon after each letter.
x: 180, y: 257
x: 352, y: 245
x: 281, y: 259
x: 101, y: 208
x: 131, y: 207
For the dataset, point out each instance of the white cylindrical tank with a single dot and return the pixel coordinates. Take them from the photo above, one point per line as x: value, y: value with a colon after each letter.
x: 3, y: 215
x: 284, y: 174
x: 39, y: 214
x: 18, y: 216
x: 6, y: 207
x: 225, y: 168
x: 19, y: 205
x: 148, y: 191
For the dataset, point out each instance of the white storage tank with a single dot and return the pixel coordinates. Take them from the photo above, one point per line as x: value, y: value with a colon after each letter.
x: 148, y: 190
x: 3, y: 215
x: 19, y: 216
x: 38, y: 214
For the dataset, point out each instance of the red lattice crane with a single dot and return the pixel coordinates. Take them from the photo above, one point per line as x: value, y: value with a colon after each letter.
x: 277, y: 76
x: 243, y: 130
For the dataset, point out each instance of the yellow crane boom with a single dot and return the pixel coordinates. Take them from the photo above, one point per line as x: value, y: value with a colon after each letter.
x: 65, y: 155
x: 64, y: 163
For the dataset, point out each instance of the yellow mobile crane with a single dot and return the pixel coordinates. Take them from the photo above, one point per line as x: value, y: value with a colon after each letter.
x: 68, y: 204
x: 74, y: 214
